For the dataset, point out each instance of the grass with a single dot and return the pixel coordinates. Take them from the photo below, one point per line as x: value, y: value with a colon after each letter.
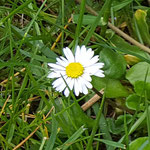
x: 35, y: 116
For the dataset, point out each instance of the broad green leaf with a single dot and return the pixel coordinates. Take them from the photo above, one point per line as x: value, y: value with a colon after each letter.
x: 78, y: 117
x: 141, y: 143
x: 113, y: 87
x: 133, y: 101
x: 120, y: 120
x: 138, y: 72
x: 117, y: 126
x: 140, y: 16
x: 142, y: 88
x: 115, y: 65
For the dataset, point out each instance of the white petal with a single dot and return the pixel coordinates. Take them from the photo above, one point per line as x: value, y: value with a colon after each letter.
x: 79, y: 85
x: 77, y: 54
x: 99, y: 65
x: 91, y: 70
x: 56, y: 74
x: 60, y: 88
x: 53, y: 75
x: 70, y: 82
x: 68, y: 54
x: 84, y: 88
x: 64, y: 59
x: 86, y: 55
x: 99, y: 73
x: 76, y: 89
x: 83, y: 50
x: 83, y: 60
x: 87, y: 76
x: 58, y: 82
x: 90, y: 53
x: 66, y: 92
x: 92, y: 61
x: 86, y: 83
x: 55, y: 66
x: 61, y: 62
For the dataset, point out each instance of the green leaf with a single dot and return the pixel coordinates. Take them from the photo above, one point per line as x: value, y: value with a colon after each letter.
x: 133, y: 101
x: 138, y: 73
x: 36, y: 71
x: 117, y: 126
x: 140, y: 16
x: 104, y: 129
x: 37, y: 57
x: 88, y: 20
x: 111, y: 143
x: 142, y: 88
x: 96, y: 21
x: 121, y: 43
x: 120, y: 120
x: 138, y: 122
x: 115, y: 65
x: 78, y: 117
x: 51, y: 141
x: 141, y: 143
x: 72, y: 139
x: 42, y: 48
x: 15, y: 11
x: 113, y: 87
x: 79, y: 24
x: 121, y: 4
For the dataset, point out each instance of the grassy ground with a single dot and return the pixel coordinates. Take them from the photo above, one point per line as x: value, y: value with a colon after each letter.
x: 34, y: 116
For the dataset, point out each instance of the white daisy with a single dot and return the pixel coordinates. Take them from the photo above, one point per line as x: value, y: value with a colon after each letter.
x: 75, y: 70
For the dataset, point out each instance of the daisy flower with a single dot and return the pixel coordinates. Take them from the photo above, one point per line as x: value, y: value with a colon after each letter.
x: 75, y: 70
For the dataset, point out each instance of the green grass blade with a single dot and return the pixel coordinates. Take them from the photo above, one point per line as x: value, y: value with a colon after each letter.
x: 106, y: 17
x: 126, y: 132
x: 111, y: 143
x: 89, y: 145
x: 71, y: 140
x: 79, y: 24
x: 94, y: 25
x: 51, y: 141
x: 29, y: 27
x: 15, y: 11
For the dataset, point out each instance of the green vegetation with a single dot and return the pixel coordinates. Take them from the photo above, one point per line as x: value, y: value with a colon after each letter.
x: 34, y: 116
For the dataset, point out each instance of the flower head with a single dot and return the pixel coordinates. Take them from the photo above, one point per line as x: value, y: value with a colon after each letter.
x: 75, y: 70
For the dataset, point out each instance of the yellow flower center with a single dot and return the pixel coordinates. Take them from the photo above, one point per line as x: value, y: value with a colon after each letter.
x: 74, y: 70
